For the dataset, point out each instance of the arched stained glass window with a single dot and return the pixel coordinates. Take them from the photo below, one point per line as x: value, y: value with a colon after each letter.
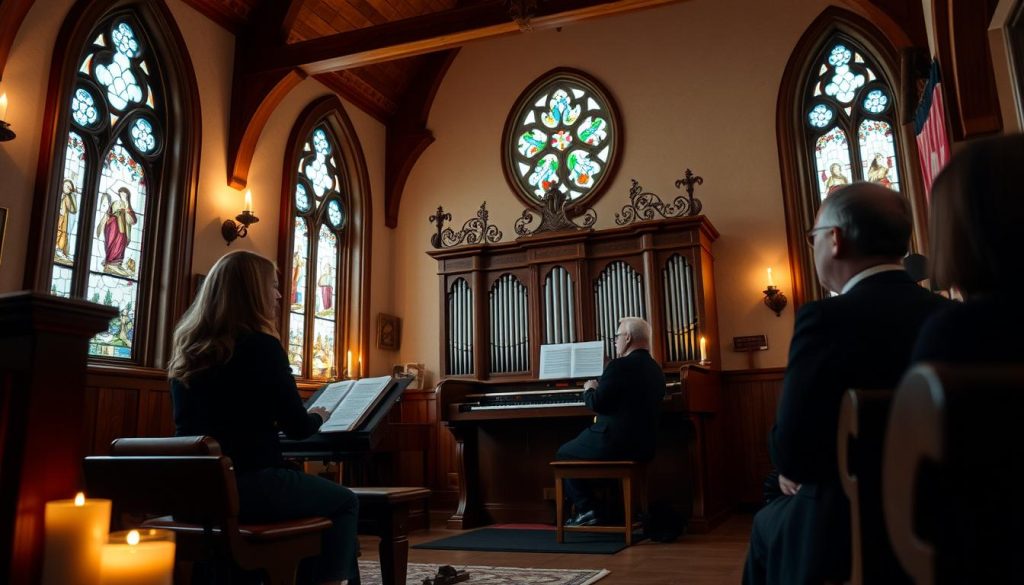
x: 849, y: 119
x: 113, y: 157
x: 562, y: 133
x: 320, y: 201
x: 838, y: 121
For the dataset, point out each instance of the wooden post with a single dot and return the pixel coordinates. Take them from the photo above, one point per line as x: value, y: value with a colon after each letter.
x: 44, y: 343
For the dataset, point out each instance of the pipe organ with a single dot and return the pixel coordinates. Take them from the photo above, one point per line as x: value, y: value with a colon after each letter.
x: 573, y: 286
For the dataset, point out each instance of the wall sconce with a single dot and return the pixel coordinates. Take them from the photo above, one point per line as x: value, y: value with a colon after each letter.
x: 773, y: 297
x: 5, y: 129
x: 231, y: 230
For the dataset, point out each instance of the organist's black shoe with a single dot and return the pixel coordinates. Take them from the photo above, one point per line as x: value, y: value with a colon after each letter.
x: 588, y: 518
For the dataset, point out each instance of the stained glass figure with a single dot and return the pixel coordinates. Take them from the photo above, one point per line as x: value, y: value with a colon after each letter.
x: 297, y: 294
x: 878, y: 151
x: 68, y: 204
x: 561, y: 135
x: 326, y: 276
x: 832, y: 154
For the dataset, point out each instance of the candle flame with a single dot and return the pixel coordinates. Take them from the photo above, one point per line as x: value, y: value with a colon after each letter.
x: 80, y: 499
x: 133, y: 538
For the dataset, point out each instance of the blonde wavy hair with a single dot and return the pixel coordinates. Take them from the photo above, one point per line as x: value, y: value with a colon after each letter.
x: 237, y: 297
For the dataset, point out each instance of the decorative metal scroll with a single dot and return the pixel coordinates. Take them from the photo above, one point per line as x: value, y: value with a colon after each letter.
x: 645, y: 206
x: 476, y: 229
x: 553, y: 217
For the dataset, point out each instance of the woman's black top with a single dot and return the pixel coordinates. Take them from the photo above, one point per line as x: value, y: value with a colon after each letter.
x: 244, y: 403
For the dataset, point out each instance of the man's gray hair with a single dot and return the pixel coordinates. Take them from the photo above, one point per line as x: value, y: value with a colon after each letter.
x: 637, y: 328
x: 875, y: 221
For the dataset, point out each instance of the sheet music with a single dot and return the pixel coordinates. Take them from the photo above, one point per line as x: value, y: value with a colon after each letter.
x: 356, y: 405
x: 555, y: 361
x: 587, y: 359
x: 332, y: 395
x: 571, y: 360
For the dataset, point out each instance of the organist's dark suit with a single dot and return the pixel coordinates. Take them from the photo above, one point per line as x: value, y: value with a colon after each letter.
x: 627, y: 401
x: 860, y: 339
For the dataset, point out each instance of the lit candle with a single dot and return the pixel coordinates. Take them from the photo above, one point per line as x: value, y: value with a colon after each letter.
x: 703, y: 349
x: 137, y: 557
x: 75, y: 532
x: 248, y: 200
x: 3, y: 106
x: 770, y: 283
x: 349, y: 364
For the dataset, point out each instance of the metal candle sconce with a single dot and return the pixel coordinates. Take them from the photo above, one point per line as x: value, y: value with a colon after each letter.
x: 231, y: 230
x: 773, y: 297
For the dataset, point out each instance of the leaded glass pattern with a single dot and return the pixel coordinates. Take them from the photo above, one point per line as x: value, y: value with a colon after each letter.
x: 847, y: 97
x: 319, y: 213
x: 561, y: 134
x: 112, y: 156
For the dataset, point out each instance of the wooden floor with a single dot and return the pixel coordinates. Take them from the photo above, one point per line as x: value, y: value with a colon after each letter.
x: 715, y: 558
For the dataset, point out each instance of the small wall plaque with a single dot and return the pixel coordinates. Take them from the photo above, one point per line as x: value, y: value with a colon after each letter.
x: 750, y: 343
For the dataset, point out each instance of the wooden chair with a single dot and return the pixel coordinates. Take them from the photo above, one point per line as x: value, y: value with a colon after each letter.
x: 630, y: 474
x: 189, y: 479
x: 953, y: 474
x: 863, y: 415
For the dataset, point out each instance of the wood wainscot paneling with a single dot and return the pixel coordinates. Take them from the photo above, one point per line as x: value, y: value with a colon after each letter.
x: 750, y: 399
x: 125, y: 402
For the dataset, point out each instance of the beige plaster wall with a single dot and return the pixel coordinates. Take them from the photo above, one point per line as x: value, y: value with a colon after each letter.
x: 697, y: 84
x: 212, y: 52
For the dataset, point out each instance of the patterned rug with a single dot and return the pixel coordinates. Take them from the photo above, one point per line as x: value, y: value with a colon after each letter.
x: 369, y: 573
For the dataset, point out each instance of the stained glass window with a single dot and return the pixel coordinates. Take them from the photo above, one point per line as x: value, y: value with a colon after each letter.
x: 562, y: 133
x: 846, y: 98
x: 320, y: 219
x: 112, y: 156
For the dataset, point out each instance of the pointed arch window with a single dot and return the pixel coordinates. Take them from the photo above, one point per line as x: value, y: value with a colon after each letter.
x: 117, y: 195
x: 838, y: 122
x: 849, y: 120
x: 325, y: 250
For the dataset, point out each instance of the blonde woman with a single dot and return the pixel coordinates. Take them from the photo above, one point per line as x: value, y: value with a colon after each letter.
x: 230, y: 379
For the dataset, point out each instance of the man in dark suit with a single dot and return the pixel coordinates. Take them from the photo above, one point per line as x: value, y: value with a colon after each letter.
x: 861, y: 338
x: 627, y: 400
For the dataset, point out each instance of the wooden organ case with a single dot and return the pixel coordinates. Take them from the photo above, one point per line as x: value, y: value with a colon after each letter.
x: 501, y: 302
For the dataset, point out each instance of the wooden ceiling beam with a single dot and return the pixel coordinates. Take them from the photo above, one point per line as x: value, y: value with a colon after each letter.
x: 428, y: 33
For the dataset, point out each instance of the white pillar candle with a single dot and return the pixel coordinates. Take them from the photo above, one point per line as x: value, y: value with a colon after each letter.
x: 703, y: 349
x: 75, y: 532
x: 138, y: 557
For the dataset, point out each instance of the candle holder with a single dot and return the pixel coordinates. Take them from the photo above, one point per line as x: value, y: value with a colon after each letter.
x: 704, y: 363
x: 5, y: 132
x: 231, y: 230
x: 774, y: 299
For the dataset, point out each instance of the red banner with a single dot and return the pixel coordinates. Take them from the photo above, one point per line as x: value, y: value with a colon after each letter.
x: 932, y: 138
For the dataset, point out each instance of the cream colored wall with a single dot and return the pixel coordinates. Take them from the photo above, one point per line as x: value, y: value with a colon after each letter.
x: 697, y: 84
x: 212, y: 52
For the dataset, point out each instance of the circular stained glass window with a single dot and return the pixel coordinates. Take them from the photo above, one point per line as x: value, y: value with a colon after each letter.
x: 562, y: 134
x: 334, y: 213
x: 83, y: 108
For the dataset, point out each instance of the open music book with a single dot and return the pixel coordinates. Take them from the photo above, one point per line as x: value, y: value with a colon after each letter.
x: 349, y: 402
x: 571, y: 360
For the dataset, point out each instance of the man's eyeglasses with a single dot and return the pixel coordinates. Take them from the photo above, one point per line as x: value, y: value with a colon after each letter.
x: 810, y: 233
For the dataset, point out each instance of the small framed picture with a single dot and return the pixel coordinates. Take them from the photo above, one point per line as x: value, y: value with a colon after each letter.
x: 418, y: 372
x: 388, y: 331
